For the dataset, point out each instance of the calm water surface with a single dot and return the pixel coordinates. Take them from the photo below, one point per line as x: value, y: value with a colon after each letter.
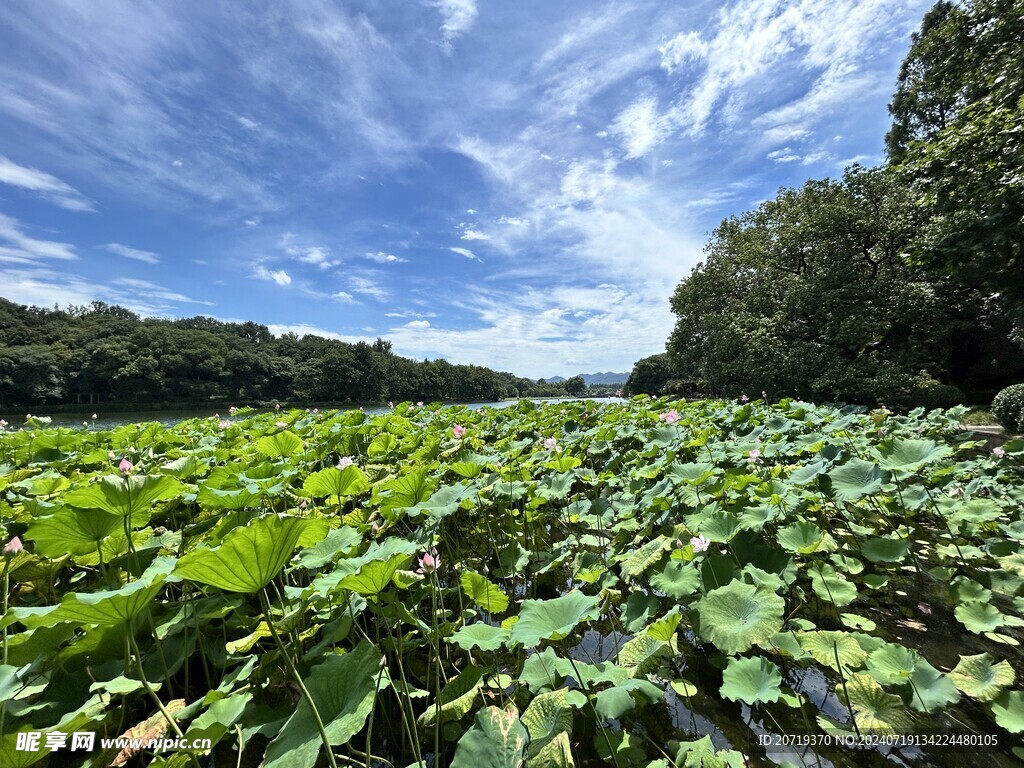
x: 170, y: 417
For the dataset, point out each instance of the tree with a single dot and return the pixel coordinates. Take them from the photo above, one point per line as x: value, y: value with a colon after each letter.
x: 812, y: 295
x: 958, y: 141
x: 650, y: 375
x: 575, y: 386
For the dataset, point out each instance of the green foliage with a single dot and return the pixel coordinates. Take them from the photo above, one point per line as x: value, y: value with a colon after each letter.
x: 1008, y: 408
x: 564, y: 582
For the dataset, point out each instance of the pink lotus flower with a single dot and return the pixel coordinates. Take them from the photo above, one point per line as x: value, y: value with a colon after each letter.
x: 28, y: 416
x: 419, y: 403
x: 429, y: 563
x: 670, y: 417
x: 391, y: 404
x: 277, y: 406
x: 303, y: 504
x: 125, y: 466
x: 618, y: 393
x: 744, y: 398
x: 700, y: 543
x: 316, y: 410
x: 551, y: 444
x: 94, y: 416
x: 755, y: 456
x: 232, y: 410
x: 3, y: 424
x: 280, y: 424
x: 13, y: 547
x: 458, y: 430
x: 223, y: 424
x: 999, y: 452
x: 345, y: 461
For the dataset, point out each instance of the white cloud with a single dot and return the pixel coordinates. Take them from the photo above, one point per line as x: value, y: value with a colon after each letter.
x: 684, y: 48
x: 458, y: 16
x: 343, y: 297
x: 784, y: 155
x: 465, y: 252
x: 177, y: 163
x: 382, y: 257
x: 514, y: 221
x: 280, y: 277
x: 49, y: 187
x: 44, y: 288
x: 24, y: 249
x: 641, y: 127
x: 132, y: 253
x: 418, y: 324
x: 367, y: 287
x: 475, y: 234
x: 253, y: 222
x: 314, y: 255
x: 246, y: 122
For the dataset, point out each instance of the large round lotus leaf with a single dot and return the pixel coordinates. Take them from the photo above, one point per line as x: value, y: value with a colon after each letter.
x: 911, y: 455
x: 547, y: 716
x: 337, y: 483
x: 497, y: 739
x: 826, y: 646
x: 880, y: 550
x: 280, y: 444
x: 875, y: 710
x: 855, y: 479
x: 553, y: 619
x: 480, y: 635
x: 456, y: 699
x: 483, y: 593
x: 103, y: 608
x: 830, y: 586
x: 248, y: 558
x: 1009, y: 711
x: 802, y: 537
x: 979, y: 617
x: 132, y: 497
x: 979, y: 678
x: 892, y: 664
x: 751, y: 681
x: 74, y: 531
x: 930, y: 690
x: 343, y: 687
x: 677, y: 579
x: 738, y: 616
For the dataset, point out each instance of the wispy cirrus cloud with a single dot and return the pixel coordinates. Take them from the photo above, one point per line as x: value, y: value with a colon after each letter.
x: 45, y: 185
x: 17, y: 246
x: 132, y: 253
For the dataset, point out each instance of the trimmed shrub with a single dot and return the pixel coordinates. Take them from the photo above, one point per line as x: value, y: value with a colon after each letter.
x: 1008, y: 408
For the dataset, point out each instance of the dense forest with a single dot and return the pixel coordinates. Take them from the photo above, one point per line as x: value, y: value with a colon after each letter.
x: 902, y: 283
x: 108, y: 354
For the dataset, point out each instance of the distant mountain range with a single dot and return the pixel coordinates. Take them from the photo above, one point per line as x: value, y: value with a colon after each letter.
x: 595, y: 378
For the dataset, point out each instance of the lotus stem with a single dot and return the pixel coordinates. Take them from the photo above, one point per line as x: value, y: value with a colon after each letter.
x: 265, y: 606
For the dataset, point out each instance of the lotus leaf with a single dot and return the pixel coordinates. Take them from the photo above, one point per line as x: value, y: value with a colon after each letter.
x: 752, y: 681
x: 738, y: 616
x: 248, y: 558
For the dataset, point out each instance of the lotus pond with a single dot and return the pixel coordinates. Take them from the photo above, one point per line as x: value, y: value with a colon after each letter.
x: 634, y: 584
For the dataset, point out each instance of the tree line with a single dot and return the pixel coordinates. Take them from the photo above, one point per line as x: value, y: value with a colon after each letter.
x: 104, y: 353
x: 902, y: 283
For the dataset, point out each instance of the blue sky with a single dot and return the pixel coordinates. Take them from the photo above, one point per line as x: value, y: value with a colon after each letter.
x: 519, y: 185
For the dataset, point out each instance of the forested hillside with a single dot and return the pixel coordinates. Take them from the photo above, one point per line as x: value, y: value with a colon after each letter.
x: 108, y: 353
x: 902, y: 283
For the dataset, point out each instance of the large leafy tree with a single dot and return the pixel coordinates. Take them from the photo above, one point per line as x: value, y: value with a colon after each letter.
x: 811, y: 295
x: 958, y: 140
